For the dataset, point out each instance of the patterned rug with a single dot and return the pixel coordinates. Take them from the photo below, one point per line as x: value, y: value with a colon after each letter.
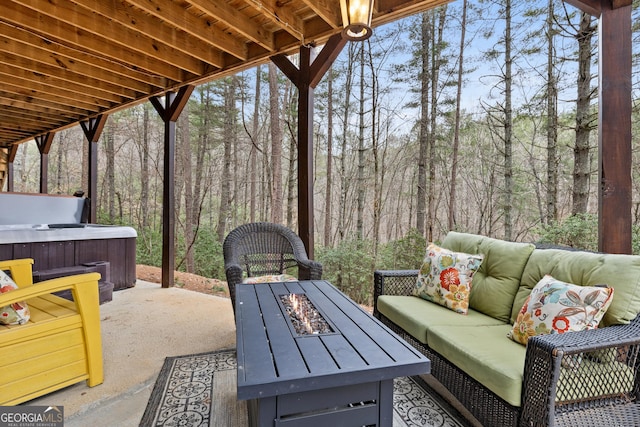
x: 200, y: 390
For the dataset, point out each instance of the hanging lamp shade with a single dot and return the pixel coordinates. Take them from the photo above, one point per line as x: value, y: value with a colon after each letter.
x: 356, y: 19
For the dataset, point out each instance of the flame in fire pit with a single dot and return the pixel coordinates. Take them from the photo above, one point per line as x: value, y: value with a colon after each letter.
x: 304, y: 316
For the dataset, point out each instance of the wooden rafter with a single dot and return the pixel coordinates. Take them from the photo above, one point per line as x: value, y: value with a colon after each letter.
x: 65, y: 61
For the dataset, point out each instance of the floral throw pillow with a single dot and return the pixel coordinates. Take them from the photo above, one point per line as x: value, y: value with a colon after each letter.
x: 445, y: 277
x: 275, y: 278
x: 556, y: 307
x: 16, y: 313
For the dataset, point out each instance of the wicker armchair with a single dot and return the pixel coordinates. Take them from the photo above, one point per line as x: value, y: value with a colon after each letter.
x: 263, y: 248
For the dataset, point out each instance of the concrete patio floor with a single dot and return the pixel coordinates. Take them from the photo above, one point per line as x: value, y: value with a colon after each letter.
x: 140, y: 327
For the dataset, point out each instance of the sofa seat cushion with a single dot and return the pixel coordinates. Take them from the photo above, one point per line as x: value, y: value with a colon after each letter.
x: 418, y: 316
x: 497, y: 281
x: 621, y: 272
x: 485, y: 354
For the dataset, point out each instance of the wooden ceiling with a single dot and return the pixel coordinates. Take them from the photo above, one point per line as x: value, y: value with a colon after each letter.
x: 66, y: 61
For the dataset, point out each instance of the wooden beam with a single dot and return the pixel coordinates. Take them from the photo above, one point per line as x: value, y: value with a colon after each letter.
x: 13, y: 150
x: 60, y: 88
x: 169, y: 112
x: 614, y: 130
x: 325, y: 58
x: 306, y: 78
x: 144, y: 22
x: 281, y: 14
x: 305, y: 152
x: 327, y: 10
x: 111, y: 43
x: 38, y: 57
x: 592, y: 7
x: 595, y: 7
x: 235, y: 19
x: 44, y: 145
x: 92, y: 129
x: 615, y: 4
x: 68, y: 55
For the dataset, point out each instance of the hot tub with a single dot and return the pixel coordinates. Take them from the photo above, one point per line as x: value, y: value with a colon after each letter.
x: 66, y: 245
x: 53, y: 230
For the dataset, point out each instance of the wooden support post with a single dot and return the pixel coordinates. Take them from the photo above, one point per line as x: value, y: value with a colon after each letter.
x: 614, y: 126
x: 169, y: 112
x: 614, y: 122
x: 306, y: 78
x: 44, y: 145
x: 13, y: 150
x: 92, y: 129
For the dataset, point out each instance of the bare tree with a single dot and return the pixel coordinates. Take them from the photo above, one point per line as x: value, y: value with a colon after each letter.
x: 421, y: 195
x: 276, y: 146
x: 329, y: 183
x: 456, y: 130
x: 110, y: 155
x: 508, y: 124
x: 552, y: 119
x: 253, y: 170
x: 144, y: 177
x: 437, y: 27
x: 344, y: 175
x: 361, y: 151
x: 228, y: 137
x: 584, y: 116
x: 184, y: 156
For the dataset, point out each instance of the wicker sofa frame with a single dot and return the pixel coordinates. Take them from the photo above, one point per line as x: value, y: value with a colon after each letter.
x: 263, y: 248
x: 541, y: 377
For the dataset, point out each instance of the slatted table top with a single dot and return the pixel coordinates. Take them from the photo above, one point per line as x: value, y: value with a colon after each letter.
x: 273, y: 359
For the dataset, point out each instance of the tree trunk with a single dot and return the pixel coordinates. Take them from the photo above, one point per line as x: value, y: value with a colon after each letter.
x: 552, y: 121
x: 436, y: 62
x: 378, y: 160
x: 584, y: 119
x: 110, y: 170
x: 328, y: 190
x: 253, y: 170
x: 508, y: 126
x: 361, y: 166
x: 344, y: 179
x: 225, y: 190
x: 59, y: 158
x: 451, y: 220
x: 421, y: 195
x: 144, y: 178
x: 188, y: 193
x: 276, y: 146
x: 199, y: 193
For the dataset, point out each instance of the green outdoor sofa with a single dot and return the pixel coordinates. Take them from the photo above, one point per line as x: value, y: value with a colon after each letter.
x: 577, y: 378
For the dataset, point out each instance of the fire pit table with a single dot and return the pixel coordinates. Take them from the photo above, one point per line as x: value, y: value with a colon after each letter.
x: 308, y: 355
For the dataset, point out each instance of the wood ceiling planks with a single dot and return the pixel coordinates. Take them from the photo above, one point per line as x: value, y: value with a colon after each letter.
x: 65, y: 61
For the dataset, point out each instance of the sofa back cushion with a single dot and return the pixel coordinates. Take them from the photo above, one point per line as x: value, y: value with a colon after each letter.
x: 497, y: 281
x: 621, y: 272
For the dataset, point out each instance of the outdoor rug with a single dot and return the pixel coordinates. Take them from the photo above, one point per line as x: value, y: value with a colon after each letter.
x: 200, y: 390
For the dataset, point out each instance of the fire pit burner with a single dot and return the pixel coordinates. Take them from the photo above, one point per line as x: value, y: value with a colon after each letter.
x: 304, y: 316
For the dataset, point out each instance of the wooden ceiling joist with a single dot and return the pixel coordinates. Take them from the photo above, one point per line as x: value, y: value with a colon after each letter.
x: 67, y: 61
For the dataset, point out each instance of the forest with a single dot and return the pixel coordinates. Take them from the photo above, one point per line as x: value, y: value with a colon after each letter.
x: 475, y: 116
